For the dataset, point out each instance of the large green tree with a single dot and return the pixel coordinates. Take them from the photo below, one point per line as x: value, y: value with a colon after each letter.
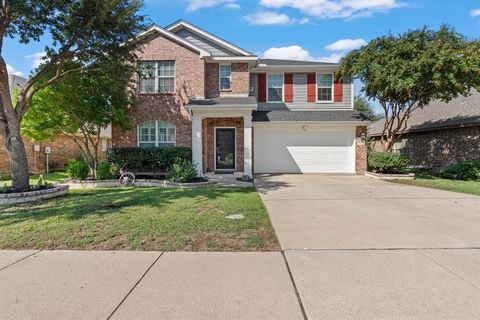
x: 80, y: 30
x: 364, y: 106
x: 406, y: 72
x: 81, y: 104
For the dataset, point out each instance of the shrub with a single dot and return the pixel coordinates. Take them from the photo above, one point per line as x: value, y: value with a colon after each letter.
x: 147, y: 159
x: 468, y: 170
x: 181, y: 170
x: 77, y: 169
x: 386, y: 162
x: 105, y: 171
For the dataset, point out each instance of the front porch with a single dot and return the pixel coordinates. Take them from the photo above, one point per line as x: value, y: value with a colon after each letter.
x: 222, y: 136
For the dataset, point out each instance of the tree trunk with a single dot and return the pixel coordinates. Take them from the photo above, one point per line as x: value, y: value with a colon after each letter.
x: 18, y: 159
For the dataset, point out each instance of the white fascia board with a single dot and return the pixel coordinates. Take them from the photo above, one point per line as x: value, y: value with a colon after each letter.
x: 364, y: 123
x: 172, y: 28
x: 234, y: 58
x: 168, y: 34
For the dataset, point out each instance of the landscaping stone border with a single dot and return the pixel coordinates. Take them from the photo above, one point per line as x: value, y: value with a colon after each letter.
x: 29, y: 196
x: 383, y: 176
x: 77, y: 184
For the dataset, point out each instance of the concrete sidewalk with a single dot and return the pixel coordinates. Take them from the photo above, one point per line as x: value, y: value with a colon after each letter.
x: 145, y: 285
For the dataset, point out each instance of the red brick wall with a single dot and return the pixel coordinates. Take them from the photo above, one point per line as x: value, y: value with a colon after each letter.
x: 208, y: 134
x: 240, y: 78
x: 189, y: 82
x: 211, y: 79
x: 62, y: 149
x: 360, y: 150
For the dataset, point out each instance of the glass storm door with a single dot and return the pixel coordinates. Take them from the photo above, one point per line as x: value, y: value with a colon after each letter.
x: 225, y: 149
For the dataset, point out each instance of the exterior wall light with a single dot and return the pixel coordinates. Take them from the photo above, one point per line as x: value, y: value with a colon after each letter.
x: 363, y: 136
x: 304, y: 128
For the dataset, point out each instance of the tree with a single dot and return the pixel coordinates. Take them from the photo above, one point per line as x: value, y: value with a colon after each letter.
x: 80, y: 30
x: 364, y: 106
x: 80, y: 105
x: 408, y: 71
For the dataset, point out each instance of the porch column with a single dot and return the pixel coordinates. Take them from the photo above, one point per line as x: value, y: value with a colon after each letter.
x: 197, y: 144
x: 247, y: 145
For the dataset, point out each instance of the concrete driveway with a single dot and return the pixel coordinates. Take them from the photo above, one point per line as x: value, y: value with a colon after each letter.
x: 360, y: 248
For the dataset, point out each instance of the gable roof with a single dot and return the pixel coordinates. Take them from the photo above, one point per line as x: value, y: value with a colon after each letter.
x: 182, y: 24
x: 174, y: 37
x: 462, y: 111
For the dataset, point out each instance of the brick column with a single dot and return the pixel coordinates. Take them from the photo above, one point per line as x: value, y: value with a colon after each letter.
x: 247, y: 145
x: 360, y: 150
x: 197, y: 144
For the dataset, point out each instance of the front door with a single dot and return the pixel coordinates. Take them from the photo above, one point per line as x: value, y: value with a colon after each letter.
x: 225, y: 149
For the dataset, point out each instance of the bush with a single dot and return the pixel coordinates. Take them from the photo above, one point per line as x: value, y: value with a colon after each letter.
x: 181, y: 170
x: 468, y: 170
x: 147, y: 159
x: 386, y: 162
x: 77, y: 169
x: 106, y: 171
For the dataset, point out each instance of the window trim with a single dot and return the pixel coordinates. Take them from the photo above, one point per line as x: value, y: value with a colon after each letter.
x: 156, y: 62
x: 316, y: 88
x: 156, y: 132
x: 220, y: 76
x: 283, y: 87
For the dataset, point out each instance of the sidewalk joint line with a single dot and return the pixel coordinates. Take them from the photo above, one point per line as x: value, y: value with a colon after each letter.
x: 449, y: 270
x: 15, y: 262
x: 297, y: 293
x: 134, y: 286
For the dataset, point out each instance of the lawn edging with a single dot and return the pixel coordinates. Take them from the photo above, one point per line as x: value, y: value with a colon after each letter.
x: 385, y: 176
x: 86, y: 184
x: 29, y: 196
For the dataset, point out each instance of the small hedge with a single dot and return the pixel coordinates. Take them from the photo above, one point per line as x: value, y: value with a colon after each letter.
x: 77, y: 169
x: 106, y: 171
x: 181, y: 170
x: 147, y: 159
x: 468, y: 170
x: 386, y: 162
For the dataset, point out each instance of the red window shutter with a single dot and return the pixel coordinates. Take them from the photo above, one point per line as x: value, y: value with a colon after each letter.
x: 338, y: 91
x: 311, y: 87
x: 288, y: 82
x: 262, y: 87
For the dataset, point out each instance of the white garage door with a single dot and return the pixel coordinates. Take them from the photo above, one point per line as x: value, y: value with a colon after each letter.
x: 297, y: 148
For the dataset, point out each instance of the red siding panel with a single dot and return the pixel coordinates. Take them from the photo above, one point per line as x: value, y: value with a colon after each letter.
x: 288, y: 84
x: 338, y: 91
x: 311, y: 87
x: 262, y: 88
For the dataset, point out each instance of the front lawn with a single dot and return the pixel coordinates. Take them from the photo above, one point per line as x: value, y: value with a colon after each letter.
x: 53, y: 177
x: 141, y: 219
x: 470, y: 187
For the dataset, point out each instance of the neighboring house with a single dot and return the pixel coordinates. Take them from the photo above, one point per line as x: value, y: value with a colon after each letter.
x: 62, y: 148
x: 240, y: 113
x: 439, y: 134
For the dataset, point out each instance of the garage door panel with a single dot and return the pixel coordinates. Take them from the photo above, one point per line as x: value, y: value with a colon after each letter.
x: 315, y: 151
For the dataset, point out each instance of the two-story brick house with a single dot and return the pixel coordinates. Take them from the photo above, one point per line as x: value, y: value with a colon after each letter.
x: 241, y: 113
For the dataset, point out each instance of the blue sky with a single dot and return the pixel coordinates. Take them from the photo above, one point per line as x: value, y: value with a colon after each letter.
x: 293, y: 29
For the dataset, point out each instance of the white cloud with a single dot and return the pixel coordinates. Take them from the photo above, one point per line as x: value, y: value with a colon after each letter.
x: 272, y: 18
x: 11, y: 70
x: 346, y: 44
x: 194, y: 5
x: 38, y: 58
x: 296, y: 52
x: 347, y: 9
x: 475, y: 13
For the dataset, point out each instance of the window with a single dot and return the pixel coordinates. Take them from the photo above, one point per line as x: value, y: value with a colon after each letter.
x: 324, y: 87
x: 275, y: 87
x: 156, y: 134
x: 225, y: 76
x: 156, y: 77
x: 397, y: 147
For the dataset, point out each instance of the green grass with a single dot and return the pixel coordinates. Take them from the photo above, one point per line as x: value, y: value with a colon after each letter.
x: 470, y: 187
x: 141, y: 219
x: 54, y: 177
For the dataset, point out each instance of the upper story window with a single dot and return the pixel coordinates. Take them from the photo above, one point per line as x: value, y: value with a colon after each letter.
x: 225, y: 76
x: 156, y: 77
x: 324, y: 87
x: 156, y: 134
x: 275, y: 87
